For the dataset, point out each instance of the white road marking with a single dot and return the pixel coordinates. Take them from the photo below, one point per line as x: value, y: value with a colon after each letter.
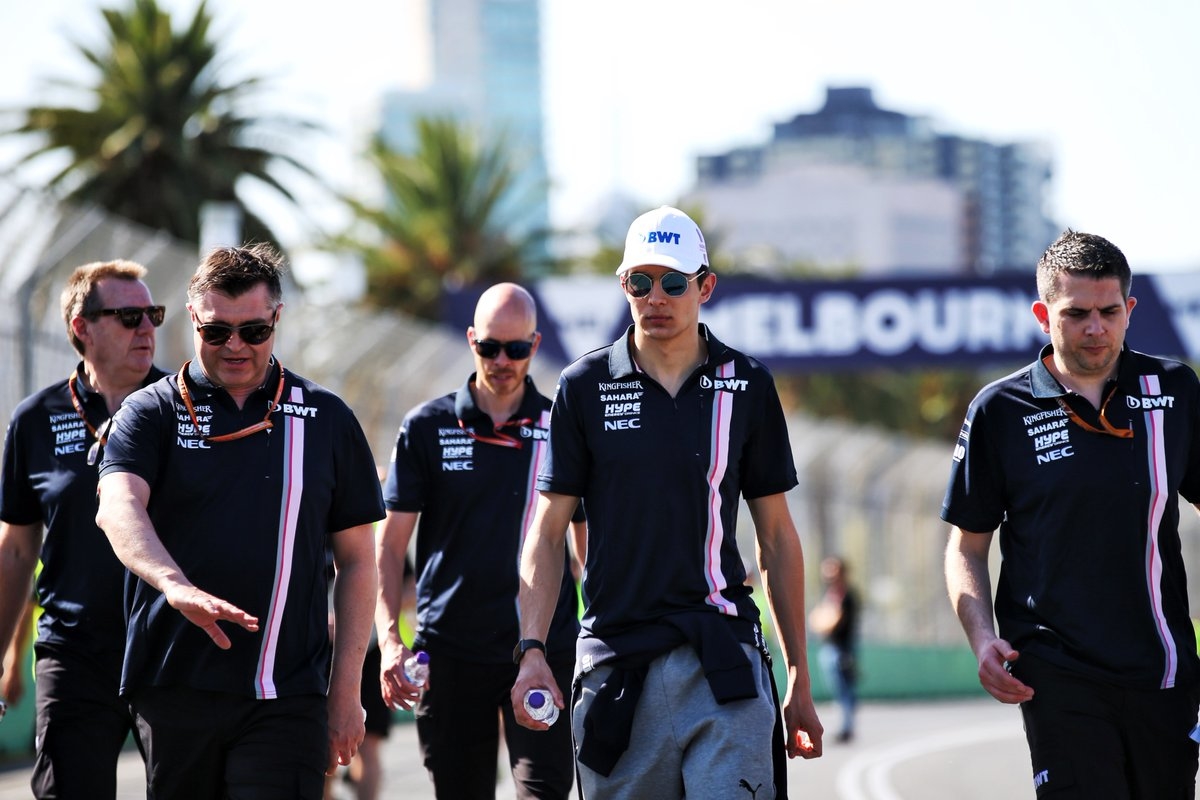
x: 866, y: 776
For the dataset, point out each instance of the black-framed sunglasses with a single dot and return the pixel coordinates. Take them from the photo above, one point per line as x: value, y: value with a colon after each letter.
x: 674, y: 284
x: 518, y: 350
x: 131, y: 316
x: 218, y: 333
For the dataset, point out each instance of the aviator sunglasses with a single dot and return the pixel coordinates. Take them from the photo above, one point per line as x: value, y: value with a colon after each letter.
x: 131, y: 316
x: 674, y: 284
x: 218, y: 333
x: 518, y: 350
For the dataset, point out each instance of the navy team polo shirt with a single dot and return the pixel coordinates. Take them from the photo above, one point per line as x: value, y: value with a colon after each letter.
x: 1092, y: 578
x: 246, y: 520
x: 47, y: 480
x: 660, y: 479
x: 476, y: 501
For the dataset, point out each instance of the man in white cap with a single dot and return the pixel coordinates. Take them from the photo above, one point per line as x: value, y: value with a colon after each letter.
x: 661, y: 433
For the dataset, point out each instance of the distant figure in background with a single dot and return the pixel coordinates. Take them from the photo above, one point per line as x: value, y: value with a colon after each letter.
x: 49, y: 484
x: 835, y: 619
x: 465, y: 464
x: 1079, y: 460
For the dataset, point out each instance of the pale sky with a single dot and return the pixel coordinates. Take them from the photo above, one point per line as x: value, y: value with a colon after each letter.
x: 636, y: 89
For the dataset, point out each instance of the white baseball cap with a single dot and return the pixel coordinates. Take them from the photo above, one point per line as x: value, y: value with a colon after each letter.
x: 665, y: 237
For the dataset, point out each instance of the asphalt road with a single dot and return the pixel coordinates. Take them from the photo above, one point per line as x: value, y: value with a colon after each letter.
x: 931, y: 750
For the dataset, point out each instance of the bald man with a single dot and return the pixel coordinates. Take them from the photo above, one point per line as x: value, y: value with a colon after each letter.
x: 465, y: 465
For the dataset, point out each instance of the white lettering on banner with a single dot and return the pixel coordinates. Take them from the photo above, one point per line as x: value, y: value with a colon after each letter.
x: 1181, y: 295
x: 885, y: 322
x: 584, y: 308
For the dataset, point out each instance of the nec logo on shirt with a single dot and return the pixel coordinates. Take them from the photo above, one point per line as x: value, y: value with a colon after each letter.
x: 724, y: 385
x: 1150, y: 403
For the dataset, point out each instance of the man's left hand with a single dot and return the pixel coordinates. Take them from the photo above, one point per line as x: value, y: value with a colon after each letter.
x: 347, y: 728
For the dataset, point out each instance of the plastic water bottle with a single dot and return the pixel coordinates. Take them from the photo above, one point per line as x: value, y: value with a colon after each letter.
x: 540, y: 705
x: 416, y: 669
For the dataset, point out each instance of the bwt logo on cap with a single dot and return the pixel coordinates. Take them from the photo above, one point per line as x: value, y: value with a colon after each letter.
x: 665, y: 237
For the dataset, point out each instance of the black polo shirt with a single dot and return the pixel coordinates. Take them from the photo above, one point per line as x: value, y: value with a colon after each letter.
x: 246, y: 520
x: 660, y: 479
x: 1092, y: 576
x: 476, y: 499
x: 47, y: 480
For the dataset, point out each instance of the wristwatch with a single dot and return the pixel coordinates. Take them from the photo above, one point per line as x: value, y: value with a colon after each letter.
x: 524, y: 646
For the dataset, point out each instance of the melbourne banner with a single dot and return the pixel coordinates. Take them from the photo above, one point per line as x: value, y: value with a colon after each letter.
x: 824, y: 325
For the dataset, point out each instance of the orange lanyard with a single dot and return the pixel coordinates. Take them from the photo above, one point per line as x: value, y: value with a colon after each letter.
x: 265, y: 425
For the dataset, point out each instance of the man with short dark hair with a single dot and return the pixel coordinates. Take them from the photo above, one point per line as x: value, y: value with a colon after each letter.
x: 220, y: 490
x: 1079, y: 460
x: 49, y: 483
x: 465, y: 464
x: 662, y: 433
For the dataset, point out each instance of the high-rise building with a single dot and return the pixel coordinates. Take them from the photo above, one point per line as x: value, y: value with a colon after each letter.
x: 857, y: 186
x: 486, y: 71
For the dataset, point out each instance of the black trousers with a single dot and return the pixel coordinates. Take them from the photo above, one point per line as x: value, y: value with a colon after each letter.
x: 205, y: 745
x: 1095, y: 741
x: 82, y: 724
x: 459, y: 719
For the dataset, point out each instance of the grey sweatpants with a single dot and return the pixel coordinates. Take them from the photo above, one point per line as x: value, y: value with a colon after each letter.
x: 683, y: 744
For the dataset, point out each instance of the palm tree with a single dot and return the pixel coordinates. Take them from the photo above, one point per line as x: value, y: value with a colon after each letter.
x: 160, y: 135
x: 445, y: 219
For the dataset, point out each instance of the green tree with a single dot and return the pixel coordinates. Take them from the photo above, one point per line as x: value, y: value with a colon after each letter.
x: 157, y: 134
x: 445, y: 220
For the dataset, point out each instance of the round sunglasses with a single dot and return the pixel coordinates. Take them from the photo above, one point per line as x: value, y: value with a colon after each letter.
x: 131, y: 316
x: 218, y: 333
x: 674, y: 284
x: 518, y: 350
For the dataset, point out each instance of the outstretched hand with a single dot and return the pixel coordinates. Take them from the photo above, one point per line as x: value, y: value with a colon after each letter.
x: 204, y: 611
